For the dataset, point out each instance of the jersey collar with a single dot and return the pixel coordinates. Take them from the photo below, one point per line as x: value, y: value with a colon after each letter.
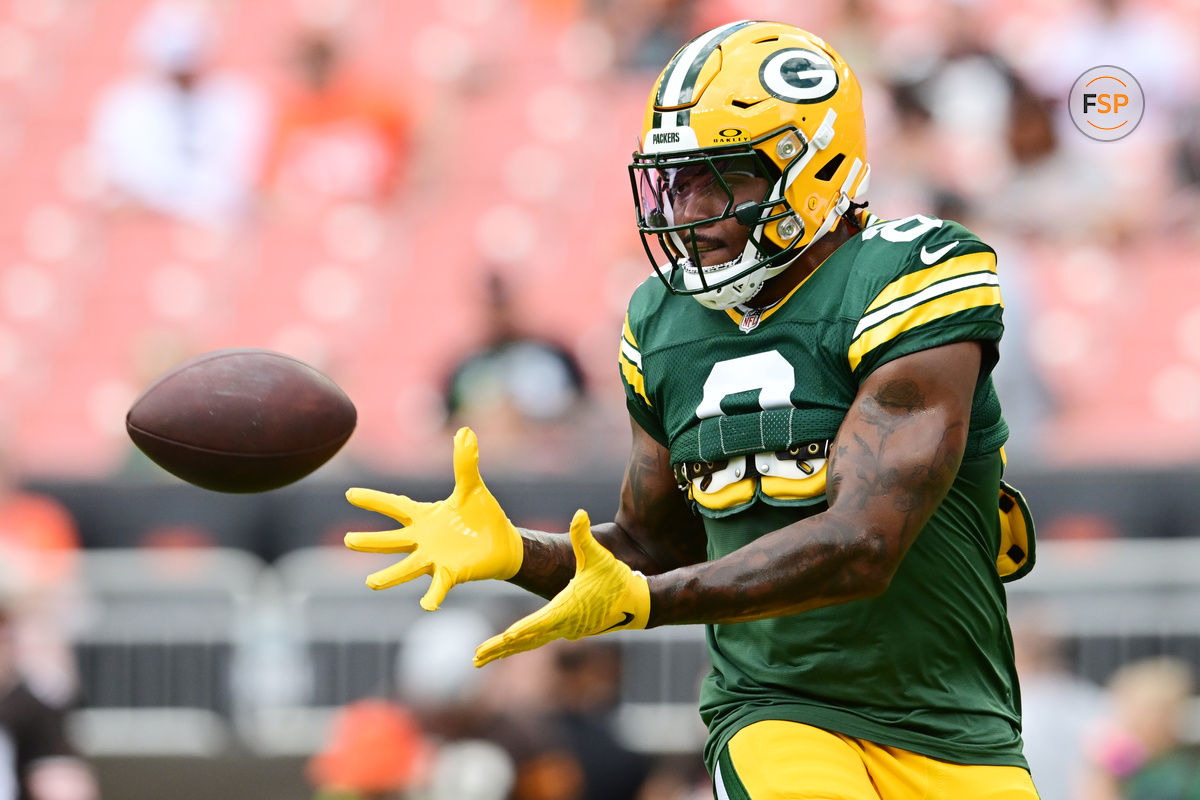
x: 747, y: 318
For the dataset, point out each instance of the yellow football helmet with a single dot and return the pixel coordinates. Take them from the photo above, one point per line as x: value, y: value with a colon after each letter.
x: 749, y: 98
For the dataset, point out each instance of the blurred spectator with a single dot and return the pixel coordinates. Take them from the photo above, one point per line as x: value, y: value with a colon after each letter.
x: 176, y: 137
x: 544, y: 728
x: 37, y: 762
x: 376, y: 751
x: 1186, y: 206
x: 1136, y: 175
x: 585, y: 690
x: 470, y: 769
x: 912, y: 147
x: 1135, y: 35
x: 435, y: 678
x: 484, y: 723
x: 677, y: 779
x: 516, y: 383
x: 547, y: 767
x: 953, y: 96
x: 338, y: 136
x: 1139, y: 752
x: 1058, y: 709
x: 39, y: 541
x: 645, y: 33
x: 1041, y: 178
x: 1188, y: 152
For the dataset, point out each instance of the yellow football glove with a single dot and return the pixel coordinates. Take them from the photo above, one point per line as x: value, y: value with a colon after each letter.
x: 465, y: 537
x: 605, y: 595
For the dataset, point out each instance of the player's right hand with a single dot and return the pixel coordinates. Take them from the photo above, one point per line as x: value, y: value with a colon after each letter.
x: 466, y: 537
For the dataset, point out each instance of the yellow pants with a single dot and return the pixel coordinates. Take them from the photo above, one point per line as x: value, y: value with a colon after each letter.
x: 776, y: 760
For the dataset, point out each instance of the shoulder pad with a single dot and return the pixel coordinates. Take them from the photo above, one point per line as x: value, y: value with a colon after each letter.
x: 920, y: 275
x: 918, y: 241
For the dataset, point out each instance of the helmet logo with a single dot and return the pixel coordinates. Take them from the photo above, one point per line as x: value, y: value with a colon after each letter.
x: 799, y: 75
x: 729, y: 136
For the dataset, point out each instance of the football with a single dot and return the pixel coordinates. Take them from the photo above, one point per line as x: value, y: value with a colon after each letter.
x: 241, y: 420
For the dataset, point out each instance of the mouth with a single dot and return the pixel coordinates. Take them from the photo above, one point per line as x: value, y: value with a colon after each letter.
x: 711, y: 250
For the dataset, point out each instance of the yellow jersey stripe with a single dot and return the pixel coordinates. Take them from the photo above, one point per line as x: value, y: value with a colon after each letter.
x: 951, y: 268
x: 630, y: 360
x: 633, y: 376
x: 937, y: 308
x: 928, y: 293
x: 627, y: 332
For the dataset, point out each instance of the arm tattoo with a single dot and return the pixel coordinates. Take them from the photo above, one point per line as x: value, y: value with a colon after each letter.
x: 902, y: 394
x: 548, y: 564
x: 661, y: 532
x: 642, y: 471
x: 549, y: 561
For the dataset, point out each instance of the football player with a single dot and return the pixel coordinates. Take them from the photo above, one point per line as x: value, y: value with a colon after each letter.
x: 817, y: 383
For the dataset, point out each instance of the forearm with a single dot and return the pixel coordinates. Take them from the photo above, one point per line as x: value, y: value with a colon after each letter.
x: 549, y: 562
x: 819, y: 561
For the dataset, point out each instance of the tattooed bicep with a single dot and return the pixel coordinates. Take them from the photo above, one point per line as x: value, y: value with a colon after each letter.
x: 900, y: 394
x: 902, y: 440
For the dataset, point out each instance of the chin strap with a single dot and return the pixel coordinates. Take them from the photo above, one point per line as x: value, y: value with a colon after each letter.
x: 840, y: 209
x: 835, y: 213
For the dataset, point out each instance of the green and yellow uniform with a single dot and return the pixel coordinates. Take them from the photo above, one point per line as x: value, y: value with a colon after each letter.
x: 747, y: 402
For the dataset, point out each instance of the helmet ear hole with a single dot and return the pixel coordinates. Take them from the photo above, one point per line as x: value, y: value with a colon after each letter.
x: 827, y: 172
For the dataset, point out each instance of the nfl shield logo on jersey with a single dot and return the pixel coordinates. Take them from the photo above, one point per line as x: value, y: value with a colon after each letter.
x: 750, y: 320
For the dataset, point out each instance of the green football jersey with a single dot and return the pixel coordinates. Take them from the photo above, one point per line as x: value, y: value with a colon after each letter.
x: 748, y: 402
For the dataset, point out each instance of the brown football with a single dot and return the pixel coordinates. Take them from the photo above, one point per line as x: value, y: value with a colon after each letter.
x: 241, y: 420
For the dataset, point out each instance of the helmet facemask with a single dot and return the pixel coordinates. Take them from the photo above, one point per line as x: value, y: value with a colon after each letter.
x: 716, y: 177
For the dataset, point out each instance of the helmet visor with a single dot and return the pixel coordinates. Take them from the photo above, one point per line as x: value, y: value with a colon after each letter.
x: 708, y: 183
x: 678, y: 196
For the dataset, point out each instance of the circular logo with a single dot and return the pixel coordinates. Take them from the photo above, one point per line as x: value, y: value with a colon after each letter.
x: 1106, y: 103
x: 799, y: 75
x: 730, y: 133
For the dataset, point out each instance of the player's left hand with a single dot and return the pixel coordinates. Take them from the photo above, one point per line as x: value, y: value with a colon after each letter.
x: 605, y: 595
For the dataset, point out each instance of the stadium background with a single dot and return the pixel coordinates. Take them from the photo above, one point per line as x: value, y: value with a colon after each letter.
x: 522, y: 118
